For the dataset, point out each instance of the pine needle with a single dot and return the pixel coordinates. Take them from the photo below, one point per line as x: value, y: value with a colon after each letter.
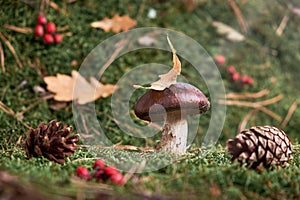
x: 289, y: 114
x: 247, y: 95
x: 12, y: 50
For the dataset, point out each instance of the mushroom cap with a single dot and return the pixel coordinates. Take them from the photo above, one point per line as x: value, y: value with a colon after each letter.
x: 180, y: 99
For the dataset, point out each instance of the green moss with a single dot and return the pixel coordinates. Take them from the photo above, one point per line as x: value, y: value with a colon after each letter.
x: 192, y: 177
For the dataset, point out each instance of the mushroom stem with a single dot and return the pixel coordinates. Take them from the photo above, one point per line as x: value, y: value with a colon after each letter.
x: 174, y: 135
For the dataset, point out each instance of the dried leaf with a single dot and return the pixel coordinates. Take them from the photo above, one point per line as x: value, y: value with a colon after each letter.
x: 63, y: 87
x: 116, y: 24
x: 229, y: 32
x: 166, y: 80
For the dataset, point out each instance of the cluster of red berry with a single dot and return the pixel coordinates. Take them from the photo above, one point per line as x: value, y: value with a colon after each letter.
x: 101, y: 173
x: 234, y: 75
x: 46, y: 30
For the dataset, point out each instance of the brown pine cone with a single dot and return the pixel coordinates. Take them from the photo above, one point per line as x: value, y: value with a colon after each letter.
x: 51, y: 142
x: 261, y: 146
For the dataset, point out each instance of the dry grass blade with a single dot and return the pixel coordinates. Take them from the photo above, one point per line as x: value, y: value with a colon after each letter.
x: 251, y: 104
x: 290, y: 113
x: 6, y: 109
x: 239, y: 16
x: 24, y: 30
x: 67, y: 34
x: 247, y: 95
x: 272, y: 114
x: 2, y: 58
x: 245, y: 120
x: 11, y: 48
x: 282, y: 25
x: 64, y: 28
x: 120, y: 45
x: 56, y: 7
x: 9, y: 111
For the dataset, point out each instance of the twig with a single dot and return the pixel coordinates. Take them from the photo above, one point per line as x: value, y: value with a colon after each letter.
x: 245, y: 120
x: 56, y: 7
x: 250, y: 104
x: 64, y: 28
x: 247, y: 95
x: 2, y: 58
x: 239, y: 16
x: 269, y: 112
x: 289, y: 114
x: 24, y: 30
x: 120, y: 45
x: 10, y: 112
x: 141, y: 9
x: 11, y: 48
x: 67, y: 34
x: 282, y: 25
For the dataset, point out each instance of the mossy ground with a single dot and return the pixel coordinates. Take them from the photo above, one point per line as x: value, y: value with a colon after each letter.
x: 194, y: 177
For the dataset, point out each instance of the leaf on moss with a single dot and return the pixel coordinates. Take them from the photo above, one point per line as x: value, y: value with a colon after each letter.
x: 76, y: 87
x: 230, y: 33
x: 116, y: 24
x: 166, y: 80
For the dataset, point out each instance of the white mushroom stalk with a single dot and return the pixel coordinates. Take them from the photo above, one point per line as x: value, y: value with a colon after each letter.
x: 174, y: 135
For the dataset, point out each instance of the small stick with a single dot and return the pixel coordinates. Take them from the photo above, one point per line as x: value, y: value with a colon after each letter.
x: 24, y: 30
x: 269, y: 112
x: 56, y: 7
x: 251, y: 104
x: 289, y: 114
x: 11, y: 48
x: 282, y: 25
x: 247, y: 95
x: 120, y: 45
x: 10, y: 112
x: 239, y: 16
x: 64, y: 28
x: 2, y: 58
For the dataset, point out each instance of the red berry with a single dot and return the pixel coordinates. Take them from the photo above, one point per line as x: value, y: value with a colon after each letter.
x: 100, y: 175
x: 50, y: 27
x: 235, y: 76
x: 110, y: 170
x: 48, y: 39
x: 117, y: 179
x: 230, y: 69
x: 41, y: 19
x: 99, y: 164
x: 38, y: 30
x: 58, y: 38
x: 220, y: 59
x: 247, y: 80
x: 83, y: 173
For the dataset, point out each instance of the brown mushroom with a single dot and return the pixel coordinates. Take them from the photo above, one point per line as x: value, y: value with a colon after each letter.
x: 172, y: 104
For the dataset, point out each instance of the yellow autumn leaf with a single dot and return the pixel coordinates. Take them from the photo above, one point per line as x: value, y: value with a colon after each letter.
x: 76, y: 87
x: 116, y: 24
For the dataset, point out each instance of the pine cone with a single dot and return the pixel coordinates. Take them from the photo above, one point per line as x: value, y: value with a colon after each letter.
x: 50, y: 142
x: 261, y: 146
